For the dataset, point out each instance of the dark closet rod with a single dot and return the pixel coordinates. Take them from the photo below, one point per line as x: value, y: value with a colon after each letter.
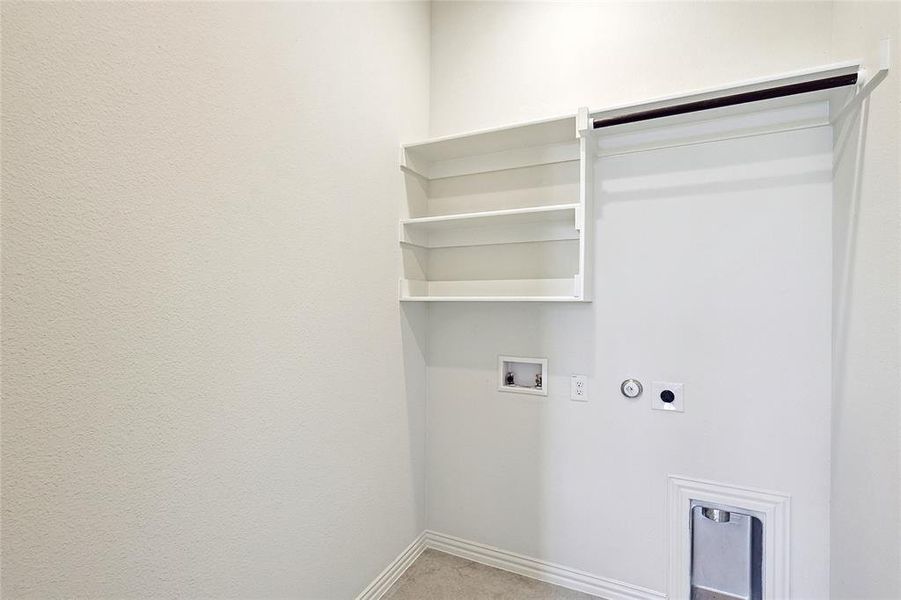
x: 743, y: 98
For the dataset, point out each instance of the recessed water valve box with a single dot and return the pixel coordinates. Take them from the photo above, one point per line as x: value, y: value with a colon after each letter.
x: 522, y: 375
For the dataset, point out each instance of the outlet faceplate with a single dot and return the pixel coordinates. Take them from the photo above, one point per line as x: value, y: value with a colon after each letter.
x: 667, y: 396
x: 578, y: 388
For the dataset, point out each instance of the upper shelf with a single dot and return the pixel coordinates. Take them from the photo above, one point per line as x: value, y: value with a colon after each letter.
x: 542, y: 142
x: 555, y: 140
x: 497, y: 139
x: 785, y: 102
x: 747, y: 96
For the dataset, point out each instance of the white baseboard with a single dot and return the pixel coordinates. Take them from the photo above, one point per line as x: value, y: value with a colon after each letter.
x: 609, y: 589
x: 392, y: 573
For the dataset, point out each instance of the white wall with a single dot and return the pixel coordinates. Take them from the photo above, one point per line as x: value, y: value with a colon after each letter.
x: 866, y: 430
x: 724, y: 287
x: 208, y: 387
x: 496, y: 63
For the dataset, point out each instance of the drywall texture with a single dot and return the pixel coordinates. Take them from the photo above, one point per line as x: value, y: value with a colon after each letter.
x: 496, y: 63
x: 866, y: 430
x: 723, y: 286
x: 208, y: 387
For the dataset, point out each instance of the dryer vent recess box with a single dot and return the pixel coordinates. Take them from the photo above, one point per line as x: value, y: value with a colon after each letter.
x: 522, y: 375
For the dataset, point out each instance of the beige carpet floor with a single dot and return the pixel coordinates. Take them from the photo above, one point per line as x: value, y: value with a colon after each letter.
x: 439, y: 576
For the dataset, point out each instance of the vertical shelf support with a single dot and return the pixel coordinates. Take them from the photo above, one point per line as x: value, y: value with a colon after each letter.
x: 584, y: 219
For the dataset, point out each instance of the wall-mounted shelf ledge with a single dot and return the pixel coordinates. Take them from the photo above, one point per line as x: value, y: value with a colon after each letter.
x: 545, y: 142
x: 786, y: 102
x: 516, y: 158
x: 751, y: 92
x: 491, y: 290
x: 489, y: 299
x: 497, y: 139
x: 509, y: 226
x: 712, y: 126
x: 531, y: 214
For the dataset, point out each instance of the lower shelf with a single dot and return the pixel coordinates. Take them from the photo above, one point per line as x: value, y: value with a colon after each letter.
x: 490, y: 290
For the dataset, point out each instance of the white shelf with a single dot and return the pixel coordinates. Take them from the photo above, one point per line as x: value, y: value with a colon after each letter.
x: 497, y: 139
x: 531, y: 214
x: 545, y: 142
x: 735, y: 88
x: 716, y: 125
x: 498, y: 290
x: 573, y: 138
x: 531, y: 224
x: 798, y: 111
x: 489, y: 299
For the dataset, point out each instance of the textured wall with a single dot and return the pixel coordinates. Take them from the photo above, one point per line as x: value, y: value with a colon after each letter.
x: 495, y: 63
x: 866, y: 423
x: 208, y: 387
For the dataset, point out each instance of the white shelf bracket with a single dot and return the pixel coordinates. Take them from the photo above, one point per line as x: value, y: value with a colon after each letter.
x: 583, y: 122
x: 871, y: 83
x: 885, y: 54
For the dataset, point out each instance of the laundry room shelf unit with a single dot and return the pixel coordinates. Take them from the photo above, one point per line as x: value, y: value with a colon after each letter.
x: 505, y: 214
x: 499, y: 214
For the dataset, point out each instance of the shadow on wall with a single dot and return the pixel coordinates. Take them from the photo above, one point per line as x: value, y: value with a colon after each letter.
x: 494, y: 457
x: 414, y: 323
x: 850, y: 142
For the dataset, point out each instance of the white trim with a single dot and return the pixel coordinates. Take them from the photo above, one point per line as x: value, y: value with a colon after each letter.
x: 392, y: 572
x: 773, y: 508
x: 534, y: 568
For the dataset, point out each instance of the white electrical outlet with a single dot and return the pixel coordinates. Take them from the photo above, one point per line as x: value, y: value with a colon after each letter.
x: 578, y: 388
